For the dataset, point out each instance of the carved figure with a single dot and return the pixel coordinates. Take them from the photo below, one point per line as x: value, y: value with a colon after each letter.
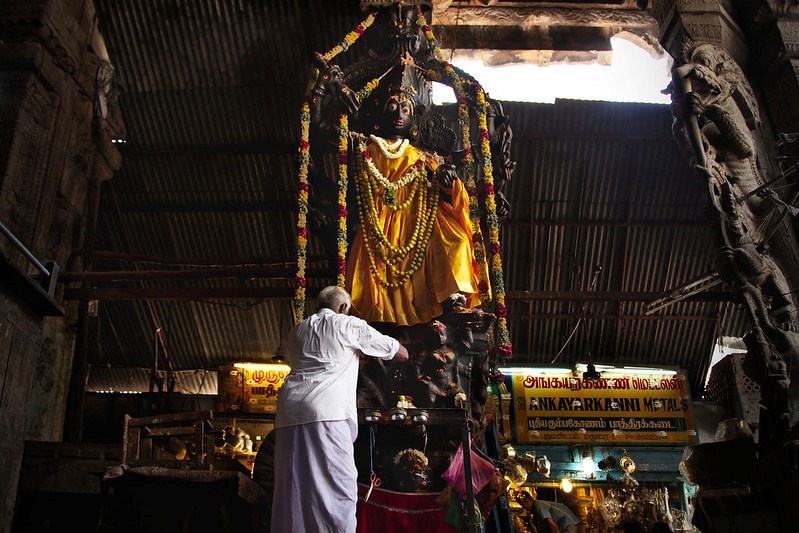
x: 107, y: 123
x: 710, y: 86
x: 471, y: 341
x: 414, y: 238
x: 502, y: 134
x: 410, y: 471
x: 715, y: 117
x: 414, y: 190
x: 787, y: 7
x: 437, y: 370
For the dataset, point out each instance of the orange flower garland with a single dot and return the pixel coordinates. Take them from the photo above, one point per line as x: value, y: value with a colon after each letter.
x: 341, y: 234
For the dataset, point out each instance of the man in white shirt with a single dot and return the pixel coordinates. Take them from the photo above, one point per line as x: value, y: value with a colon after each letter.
x: 316, y: 486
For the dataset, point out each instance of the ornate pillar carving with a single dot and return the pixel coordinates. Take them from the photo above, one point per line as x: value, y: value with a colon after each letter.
x: 719, y: 122
x: 701, y: 21
x: 772, y: 27
x: 731, y: 93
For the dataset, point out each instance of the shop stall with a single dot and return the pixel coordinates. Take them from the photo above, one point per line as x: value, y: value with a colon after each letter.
x: 605, y: 441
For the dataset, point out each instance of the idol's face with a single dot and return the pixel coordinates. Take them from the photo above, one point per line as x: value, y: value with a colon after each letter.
x: 396, y: 119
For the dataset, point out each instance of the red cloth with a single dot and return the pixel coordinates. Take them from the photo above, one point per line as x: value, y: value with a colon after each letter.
x: 388, y: 511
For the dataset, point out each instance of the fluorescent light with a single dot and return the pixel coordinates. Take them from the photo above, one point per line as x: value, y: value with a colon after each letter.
x: 262, y: 366
x: 644, y: 370
x: 588, y: 466
x: 608, y: 371
x: 628, y: 370
x: 533, y: 369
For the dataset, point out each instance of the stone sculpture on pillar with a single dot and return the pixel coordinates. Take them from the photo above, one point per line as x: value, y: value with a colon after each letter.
x: 716, y: 122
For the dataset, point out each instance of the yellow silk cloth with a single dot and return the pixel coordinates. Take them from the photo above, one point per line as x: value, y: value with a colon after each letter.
x: 449, y: 265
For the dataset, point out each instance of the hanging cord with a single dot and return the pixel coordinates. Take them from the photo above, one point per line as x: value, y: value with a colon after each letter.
x: 594, y: 279
x: 371, y: 450
x: 374, y: 480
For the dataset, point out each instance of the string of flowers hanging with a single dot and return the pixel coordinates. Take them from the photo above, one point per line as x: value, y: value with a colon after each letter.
x: 341, y: 230
x: 302, y: 216
x: 305, y: 160
x: 460, y: 84
x: 368, y: 180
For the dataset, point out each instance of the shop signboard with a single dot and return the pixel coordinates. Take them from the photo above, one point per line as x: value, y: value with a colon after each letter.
x: 622, y: 406
x: 250, y: 387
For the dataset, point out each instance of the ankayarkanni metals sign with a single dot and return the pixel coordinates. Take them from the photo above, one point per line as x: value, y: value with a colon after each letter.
x: 625, y: 405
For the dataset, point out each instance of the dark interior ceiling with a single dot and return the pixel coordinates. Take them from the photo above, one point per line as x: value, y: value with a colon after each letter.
x: 194, y: 257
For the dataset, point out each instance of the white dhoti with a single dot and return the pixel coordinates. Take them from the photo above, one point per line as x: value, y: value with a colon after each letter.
x: 316, y: 482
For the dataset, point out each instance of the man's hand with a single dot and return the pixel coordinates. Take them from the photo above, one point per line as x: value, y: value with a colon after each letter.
x: 551, y: 526
x: 402, y: 354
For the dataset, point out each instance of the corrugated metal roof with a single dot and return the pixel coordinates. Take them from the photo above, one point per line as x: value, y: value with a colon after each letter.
x: 113, y: 380
x: 211, y: 108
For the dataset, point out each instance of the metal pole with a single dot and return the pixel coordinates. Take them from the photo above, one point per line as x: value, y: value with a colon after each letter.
x: 28, y: 255
x: 472, y: 523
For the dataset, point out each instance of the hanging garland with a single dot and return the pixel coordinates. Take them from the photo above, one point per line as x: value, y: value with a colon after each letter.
x: 300, y: 282
x: 492, y: 221
x: 341, y: 234
x: 351, y: 37
x: 302, y: 217
x: 369, y: 182
x: 504, y: 346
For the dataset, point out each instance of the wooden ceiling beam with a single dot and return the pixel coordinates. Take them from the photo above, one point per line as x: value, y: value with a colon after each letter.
x: 597, y: 14
x: 275, y: 261
x: 270, y: 147
x: 248, y: 292
x: 540, y: 34
x: 173, y: 206
x: 248, y: 272
x: 562, y: 38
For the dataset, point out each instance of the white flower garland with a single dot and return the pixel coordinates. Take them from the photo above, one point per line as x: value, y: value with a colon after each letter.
x: 390, y: 150
x: 408, y: 178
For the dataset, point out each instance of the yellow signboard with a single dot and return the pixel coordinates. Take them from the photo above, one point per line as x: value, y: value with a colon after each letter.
x: 622, y: 406
x: 251, y: 387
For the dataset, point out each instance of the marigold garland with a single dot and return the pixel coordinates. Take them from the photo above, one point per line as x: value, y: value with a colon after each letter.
x: 351, y: 37
x: 302, y: 217
x: 503, y: 337
x: 375, y: 241
x: 341, y: 236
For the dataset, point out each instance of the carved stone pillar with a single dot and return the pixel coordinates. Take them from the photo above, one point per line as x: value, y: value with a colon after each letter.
x: 55, y: 150
x: 729, y: 84
x: 716, y: 100
x: 702, y: 21
x: 772, y: 27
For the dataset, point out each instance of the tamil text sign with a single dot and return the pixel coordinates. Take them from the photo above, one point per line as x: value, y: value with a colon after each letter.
x: 622, y: 406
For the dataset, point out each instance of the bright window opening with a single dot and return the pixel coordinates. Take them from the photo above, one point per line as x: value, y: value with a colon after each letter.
x: 633, y: 76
